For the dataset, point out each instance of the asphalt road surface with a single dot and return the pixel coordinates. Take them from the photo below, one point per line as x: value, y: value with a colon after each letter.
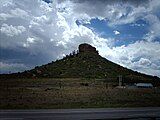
x: 83, y: 114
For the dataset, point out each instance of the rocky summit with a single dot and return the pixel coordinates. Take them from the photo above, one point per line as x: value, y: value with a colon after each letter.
x: 87, y: 48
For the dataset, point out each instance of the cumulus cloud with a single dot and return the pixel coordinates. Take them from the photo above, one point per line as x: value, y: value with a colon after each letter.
x: 115, y: 12
x: 116, y: 32
x: 10, y: 30
x: 141, y: 55
x: 29, y: 42
x: 144, y: 61
x: 154, y: 28
x: 17, y: 12
x: 6, y: 3
x: 4, y: 16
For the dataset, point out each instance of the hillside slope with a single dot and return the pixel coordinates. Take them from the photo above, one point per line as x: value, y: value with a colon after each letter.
x: 87, y: 63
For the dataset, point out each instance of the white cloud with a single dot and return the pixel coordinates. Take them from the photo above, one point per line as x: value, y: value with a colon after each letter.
x: 39, y: 20
x: 114, y: 12
x: 30, y: 40
x: 144, y: 61
x: 137, y: 25
x: 5, y: 3
x: 140, y: 56
x: 116, y: 32
x: 17, y: 12
x: 4, y: 16
x: 154, y: 28
x: 10, y: 30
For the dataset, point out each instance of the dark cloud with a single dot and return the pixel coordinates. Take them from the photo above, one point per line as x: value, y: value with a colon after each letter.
x: 48, y: 1
x: 134, y: 2
x: 22, y: 56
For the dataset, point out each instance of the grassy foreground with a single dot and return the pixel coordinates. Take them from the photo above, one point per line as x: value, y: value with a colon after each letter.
x: 72, y: 93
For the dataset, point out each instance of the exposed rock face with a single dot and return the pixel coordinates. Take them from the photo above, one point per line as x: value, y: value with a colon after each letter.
x: 87, y: 48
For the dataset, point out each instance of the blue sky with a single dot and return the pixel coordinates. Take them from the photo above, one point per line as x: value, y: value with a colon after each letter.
x: 127, y: 34
x: 35, y: 32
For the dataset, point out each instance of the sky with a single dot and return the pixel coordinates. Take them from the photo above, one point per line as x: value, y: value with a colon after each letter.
x: 36, y: 32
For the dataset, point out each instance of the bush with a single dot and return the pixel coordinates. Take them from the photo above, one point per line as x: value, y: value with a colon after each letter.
x: 84, y: 84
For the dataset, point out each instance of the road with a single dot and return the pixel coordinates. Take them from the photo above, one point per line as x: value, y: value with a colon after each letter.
x: 81, y: 114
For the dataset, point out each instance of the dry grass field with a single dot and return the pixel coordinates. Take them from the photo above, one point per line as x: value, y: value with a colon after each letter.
x: 72, y: 93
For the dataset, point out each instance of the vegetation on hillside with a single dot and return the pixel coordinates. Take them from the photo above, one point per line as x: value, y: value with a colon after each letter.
x: 84, y: 65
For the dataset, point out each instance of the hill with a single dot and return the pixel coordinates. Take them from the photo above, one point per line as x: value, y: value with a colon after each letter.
x: 85, y: 63
x: 82, y: 79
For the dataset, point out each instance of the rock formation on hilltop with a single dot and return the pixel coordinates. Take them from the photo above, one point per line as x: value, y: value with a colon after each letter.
x: 87, y: 48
